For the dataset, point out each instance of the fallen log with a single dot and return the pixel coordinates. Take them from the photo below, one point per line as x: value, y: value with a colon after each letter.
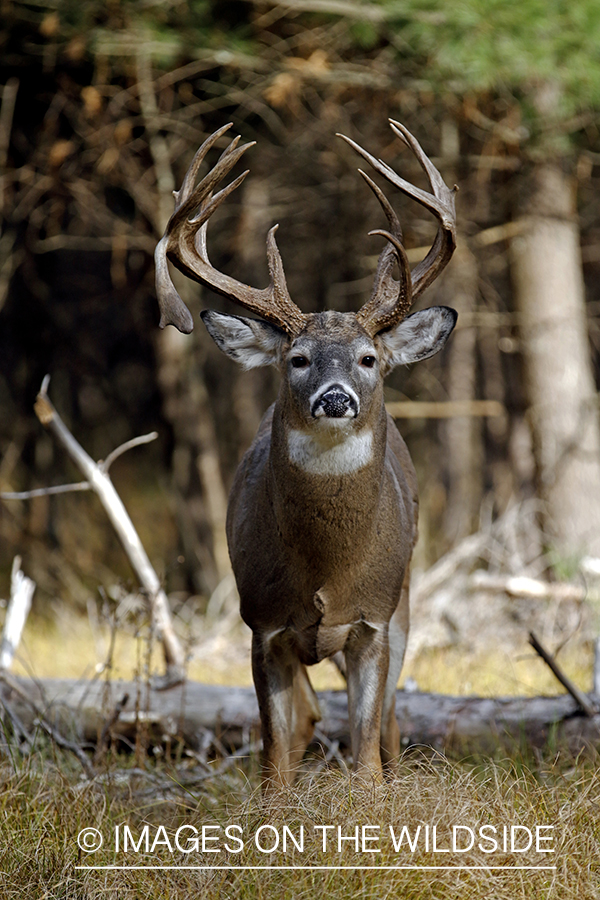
x: 464, y: 725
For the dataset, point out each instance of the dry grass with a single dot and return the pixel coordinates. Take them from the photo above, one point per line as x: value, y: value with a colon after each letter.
x: 44, y: 802
x: 43, y: 807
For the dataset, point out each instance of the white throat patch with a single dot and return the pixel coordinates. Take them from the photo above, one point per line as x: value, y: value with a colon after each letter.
x: 330, y: 454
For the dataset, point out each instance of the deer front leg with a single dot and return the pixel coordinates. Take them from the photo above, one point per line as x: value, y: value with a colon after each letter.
x: 367, y: 659
x: 288, y: 707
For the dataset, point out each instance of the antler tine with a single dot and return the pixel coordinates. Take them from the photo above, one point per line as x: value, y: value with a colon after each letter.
x: 388, y: 296
x: 184, y: 244
x: 391, y: 216
x: 390, y: 300
x: 201, y: 197
x: 189, y: 179
x: 440, y: 203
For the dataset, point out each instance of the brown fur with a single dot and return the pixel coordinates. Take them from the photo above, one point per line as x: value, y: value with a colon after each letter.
x: 321, y: 564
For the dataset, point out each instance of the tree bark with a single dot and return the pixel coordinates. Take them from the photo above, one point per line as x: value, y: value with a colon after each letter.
x: 549, y: 293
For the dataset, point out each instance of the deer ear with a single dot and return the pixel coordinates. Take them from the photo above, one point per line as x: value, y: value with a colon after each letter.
x: 419, y: 336
x: 251, y: 342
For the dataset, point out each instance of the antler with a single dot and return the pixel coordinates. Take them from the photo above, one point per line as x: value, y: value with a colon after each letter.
x: 184, y: 243
x: 391, y: 300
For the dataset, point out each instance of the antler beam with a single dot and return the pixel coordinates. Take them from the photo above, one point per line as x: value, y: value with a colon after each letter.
x: 391, y: 300
x: 184, y: 244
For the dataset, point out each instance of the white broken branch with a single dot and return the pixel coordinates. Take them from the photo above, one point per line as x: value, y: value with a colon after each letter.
x: 21, y: 595
x: 123, y: 448
x: 532, y: 588
x: 98, y: 479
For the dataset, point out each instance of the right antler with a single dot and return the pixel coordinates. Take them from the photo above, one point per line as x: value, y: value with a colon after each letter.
x: 391, y: 300
x: 184, y: 243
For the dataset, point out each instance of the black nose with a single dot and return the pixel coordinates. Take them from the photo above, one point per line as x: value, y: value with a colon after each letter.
x: 335, y: 403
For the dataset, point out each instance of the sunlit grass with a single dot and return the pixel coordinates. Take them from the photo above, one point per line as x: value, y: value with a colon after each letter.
x: 67, y: 649
x: 497, y: 673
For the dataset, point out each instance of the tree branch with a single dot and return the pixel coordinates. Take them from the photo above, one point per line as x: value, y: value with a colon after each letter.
x: 128, y: 445
x: 99, y: 481
x: 47, y: 491
x: 43, y: 723
x: 573, y: 690
x: 21, y: 595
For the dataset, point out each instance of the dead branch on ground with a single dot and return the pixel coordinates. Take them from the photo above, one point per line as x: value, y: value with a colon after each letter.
x: 531, y: 588
x: 465, y: 725
x: 31, y: 715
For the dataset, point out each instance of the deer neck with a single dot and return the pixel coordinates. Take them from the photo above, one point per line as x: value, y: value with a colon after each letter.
x: 326, y: 485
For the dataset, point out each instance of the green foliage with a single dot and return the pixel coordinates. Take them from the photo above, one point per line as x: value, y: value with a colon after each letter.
x: 365, y: 34
x: 481, y: 45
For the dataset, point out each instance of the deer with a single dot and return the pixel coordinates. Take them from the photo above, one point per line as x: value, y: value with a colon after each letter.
x: 322, y: 514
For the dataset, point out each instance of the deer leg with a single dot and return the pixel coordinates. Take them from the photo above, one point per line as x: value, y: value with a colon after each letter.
x: 397, y: 635
x: 288, y: 707
x: 305, y: 714
x: 367, y: 657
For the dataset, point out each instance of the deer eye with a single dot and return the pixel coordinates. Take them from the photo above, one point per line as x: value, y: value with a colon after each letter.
x: 368, y: 362
x: 299, y: 362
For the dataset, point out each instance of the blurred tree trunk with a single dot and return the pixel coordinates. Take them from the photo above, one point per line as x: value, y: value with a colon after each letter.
x: 463, y: 433
x: 549, y: 292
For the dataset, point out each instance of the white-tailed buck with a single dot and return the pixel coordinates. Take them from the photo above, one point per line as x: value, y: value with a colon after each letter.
x: 322, y: 516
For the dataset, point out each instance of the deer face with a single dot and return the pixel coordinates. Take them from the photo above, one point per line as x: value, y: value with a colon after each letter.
x: 333, y: 370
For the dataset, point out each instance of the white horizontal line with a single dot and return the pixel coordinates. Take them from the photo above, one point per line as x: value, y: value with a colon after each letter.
x: 327, y: 868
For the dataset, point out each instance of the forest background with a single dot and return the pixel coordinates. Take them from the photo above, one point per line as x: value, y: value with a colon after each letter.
x: 103, y: 106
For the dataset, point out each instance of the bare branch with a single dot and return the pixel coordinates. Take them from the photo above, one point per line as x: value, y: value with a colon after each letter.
x: 128, y: 445
x: 596, y: 681
x: 43, y: 723
x: 92, y: 243
x: 579, y: 697
x: 165, y: 181
x: 447, y: 409
x: 19, y: 731
x: 104, y: 466
x: 523, y: 586
x: 45, y: 492
x: 112, y: 719
x: 9, y: 97
x: 101, y: 484
x: 362, y: 11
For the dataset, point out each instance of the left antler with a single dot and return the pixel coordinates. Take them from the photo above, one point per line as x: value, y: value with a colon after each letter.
x: 184, y: 243
x: 391, y: 300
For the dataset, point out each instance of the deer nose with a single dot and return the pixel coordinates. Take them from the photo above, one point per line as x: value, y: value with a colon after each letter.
x: 335, y: 403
